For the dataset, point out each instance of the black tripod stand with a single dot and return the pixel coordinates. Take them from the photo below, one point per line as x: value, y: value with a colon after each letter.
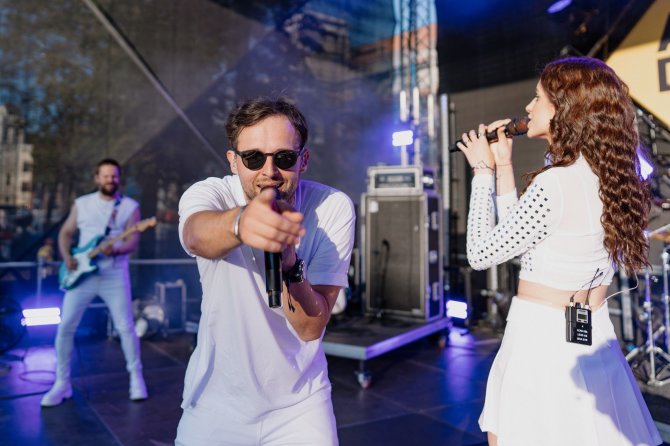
x: 656, y: 355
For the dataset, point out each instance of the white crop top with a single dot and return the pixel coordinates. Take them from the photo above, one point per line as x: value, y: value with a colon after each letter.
x: 555, y: 226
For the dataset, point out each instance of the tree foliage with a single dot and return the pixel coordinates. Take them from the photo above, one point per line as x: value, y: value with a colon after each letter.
x: 55, y: 66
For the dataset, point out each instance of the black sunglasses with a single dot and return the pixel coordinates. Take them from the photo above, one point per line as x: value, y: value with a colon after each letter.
x: 255, y: 159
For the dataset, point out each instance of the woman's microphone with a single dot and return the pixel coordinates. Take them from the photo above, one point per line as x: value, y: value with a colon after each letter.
x: 516, y: 127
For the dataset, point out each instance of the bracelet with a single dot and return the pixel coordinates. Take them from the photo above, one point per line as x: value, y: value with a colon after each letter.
x: 481, y: 165
x: 503, y: 165
x: 236, y: 223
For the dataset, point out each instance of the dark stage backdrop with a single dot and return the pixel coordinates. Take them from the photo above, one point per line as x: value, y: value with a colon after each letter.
x: 482, y: 43
x: 80, y: 97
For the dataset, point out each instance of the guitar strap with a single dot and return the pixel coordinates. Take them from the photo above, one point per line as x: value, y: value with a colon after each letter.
x: 112, y: 218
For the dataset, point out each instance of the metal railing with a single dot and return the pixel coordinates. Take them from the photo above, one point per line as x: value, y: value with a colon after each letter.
x: 45, y: 269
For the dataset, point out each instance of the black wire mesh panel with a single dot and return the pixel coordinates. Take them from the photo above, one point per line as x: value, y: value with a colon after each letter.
x: 403, y: 256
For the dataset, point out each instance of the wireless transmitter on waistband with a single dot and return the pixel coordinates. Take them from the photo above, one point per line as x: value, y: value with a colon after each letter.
x: 578, y: 327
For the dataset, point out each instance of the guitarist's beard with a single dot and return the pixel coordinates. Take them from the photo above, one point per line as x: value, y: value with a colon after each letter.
x: 109, y: 190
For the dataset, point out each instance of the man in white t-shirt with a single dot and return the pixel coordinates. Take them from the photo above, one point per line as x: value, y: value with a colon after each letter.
x: 105, y: 213
x: 258, y: 375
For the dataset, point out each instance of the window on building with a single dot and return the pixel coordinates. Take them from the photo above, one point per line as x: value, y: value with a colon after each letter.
x: 25, y: 186
x: 27, y: 166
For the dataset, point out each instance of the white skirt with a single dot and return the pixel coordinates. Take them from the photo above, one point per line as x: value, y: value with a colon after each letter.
x: 545, y: 391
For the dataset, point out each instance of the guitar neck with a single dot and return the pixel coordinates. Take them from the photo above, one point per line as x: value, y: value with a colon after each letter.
x: 137, y: 227
x: 110, y: 241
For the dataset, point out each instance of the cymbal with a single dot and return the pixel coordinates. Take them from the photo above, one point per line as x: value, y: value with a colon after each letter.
x: 662, y: 234
x: 662, y: 204
x: 662, y: 238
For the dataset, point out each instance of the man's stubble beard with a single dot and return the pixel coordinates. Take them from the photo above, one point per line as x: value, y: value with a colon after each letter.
x: 109, y: 193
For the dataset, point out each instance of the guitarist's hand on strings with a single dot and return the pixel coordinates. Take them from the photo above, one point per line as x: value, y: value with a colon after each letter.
x: 110, y: 251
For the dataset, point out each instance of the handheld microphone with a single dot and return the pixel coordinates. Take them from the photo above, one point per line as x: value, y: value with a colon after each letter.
x: 273, y: 278
x: 516, y: 127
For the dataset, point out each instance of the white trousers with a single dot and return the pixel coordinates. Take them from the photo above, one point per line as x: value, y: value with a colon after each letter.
x: 113, y: 286
x: 309, y: 423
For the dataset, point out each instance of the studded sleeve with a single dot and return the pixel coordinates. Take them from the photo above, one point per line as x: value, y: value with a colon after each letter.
x: 522, y: 225
x: 505, y: 203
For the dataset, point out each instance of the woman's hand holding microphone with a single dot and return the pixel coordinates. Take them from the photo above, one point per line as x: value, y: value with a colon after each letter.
x: 482, y: 156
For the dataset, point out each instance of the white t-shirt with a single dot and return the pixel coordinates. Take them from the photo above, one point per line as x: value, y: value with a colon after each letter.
x: 93, y: 215
x: 249, y: 360
x: 555, y: 226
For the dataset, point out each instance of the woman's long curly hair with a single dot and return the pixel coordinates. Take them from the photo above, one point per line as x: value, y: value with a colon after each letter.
x: 595, y: 117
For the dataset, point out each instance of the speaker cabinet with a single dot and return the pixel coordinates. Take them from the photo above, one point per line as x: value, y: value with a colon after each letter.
x: 403, y: 255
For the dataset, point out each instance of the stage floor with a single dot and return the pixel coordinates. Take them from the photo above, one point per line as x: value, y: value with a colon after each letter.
x: 420, y: 394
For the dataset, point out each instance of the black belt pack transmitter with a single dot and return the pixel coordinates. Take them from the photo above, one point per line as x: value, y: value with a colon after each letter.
x: 578, y: 327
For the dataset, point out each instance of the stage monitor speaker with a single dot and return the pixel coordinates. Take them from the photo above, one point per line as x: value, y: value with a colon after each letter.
x: 403, y: 256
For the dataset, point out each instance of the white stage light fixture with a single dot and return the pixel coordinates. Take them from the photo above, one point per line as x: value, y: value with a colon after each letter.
x: 41, y: 316
x: 403, y: 138
x: 646, y: 168
x: 150, y: 321
x: 457, y: 309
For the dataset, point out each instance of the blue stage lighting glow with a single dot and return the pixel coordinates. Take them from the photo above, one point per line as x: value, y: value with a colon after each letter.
x: 457, y: 309
x: 41, y: 316
x: 403, y: 138
x: 558, y: 6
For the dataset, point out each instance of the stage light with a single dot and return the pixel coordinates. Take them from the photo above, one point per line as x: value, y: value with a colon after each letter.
x: 41, y: 316
x: 403, y: 138
x: 646, y: 168
x: 558, y: 6
x: 457, y: 309
x: 151, y: 319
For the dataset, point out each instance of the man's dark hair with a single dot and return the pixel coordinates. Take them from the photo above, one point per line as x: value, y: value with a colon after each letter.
x: 108, y: 162
x: 255, y: 110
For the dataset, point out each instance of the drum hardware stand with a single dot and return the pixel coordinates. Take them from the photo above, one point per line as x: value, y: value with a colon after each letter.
x: 650, y: 346
x: 666, y: 299
x: 628, y: 331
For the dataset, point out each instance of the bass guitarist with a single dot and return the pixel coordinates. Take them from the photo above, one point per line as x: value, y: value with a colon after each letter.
x: 108, y: 213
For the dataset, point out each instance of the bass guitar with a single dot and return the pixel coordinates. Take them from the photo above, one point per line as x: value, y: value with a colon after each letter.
x: 86, y: 255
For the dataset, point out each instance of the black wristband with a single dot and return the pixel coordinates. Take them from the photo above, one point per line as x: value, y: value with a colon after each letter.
x: 296, y: 274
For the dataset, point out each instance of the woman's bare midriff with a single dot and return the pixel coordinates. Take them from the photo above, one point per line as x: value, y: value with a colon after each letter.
x: 553, y: 297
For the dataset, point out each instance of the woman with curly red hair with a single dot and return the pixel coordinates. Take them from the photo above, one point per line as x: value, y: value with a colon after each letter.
x: 581, y: 216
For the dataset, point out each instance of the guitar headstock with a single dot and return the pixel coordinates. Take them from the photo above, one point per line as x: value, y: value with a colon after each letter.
x: 145, y: 224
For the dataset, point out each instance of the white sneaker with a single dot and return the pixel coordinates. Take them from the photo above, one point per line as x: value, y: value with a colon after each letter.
x: 138, y: 389
x: 60, y: 391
